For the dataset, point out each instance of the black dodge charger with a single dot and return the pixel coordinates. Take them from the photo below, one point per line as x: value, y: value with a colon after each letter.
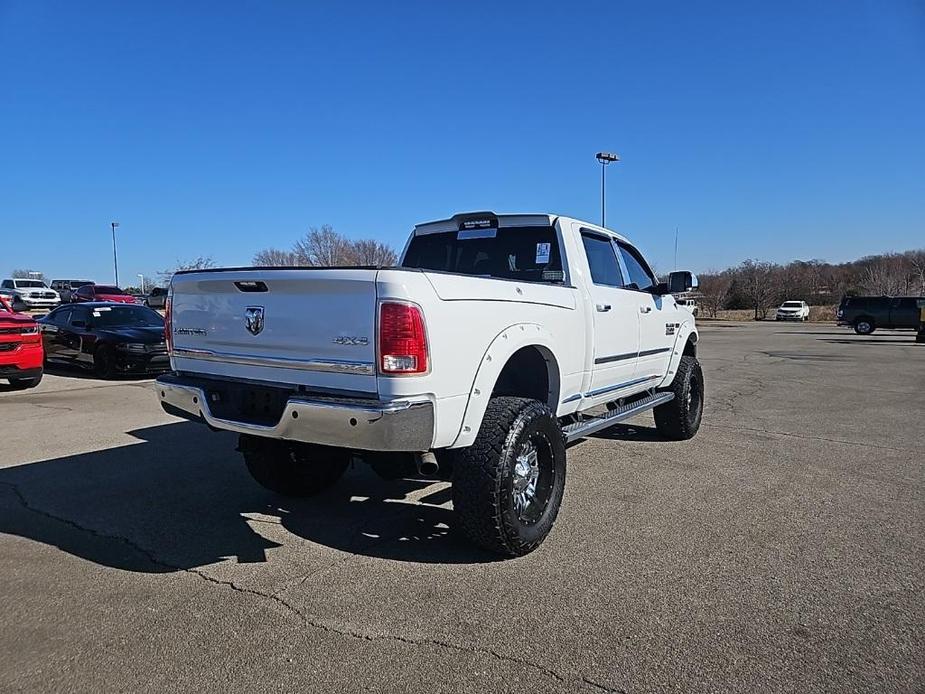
x: 108, y: 338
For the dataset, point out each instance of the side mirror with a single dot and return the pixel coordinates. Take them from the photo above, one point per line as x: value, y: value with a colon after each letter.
x: 682, y: 281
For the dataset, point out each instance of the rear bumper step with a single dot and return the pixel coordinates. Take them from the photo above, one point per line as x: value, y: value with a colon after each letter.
x: 592, y: 425
x: 372, y: 425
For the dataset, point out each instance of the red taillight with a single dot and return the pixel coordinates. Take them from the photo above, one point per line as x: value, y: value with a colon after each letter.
x: 402, y: 339
x: 168, y: 331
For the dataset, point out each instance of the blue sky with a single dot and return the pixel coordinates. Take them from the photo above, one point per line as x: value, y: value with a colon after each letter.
x: 776, y: 130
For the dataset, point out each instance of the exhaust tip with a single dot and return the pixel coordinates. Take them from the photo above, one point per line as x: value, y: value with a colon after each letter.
x: 427, y: 464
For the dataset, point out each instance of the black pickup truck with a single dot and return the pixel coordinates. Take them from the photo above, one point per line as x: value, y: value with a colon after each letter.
x: 867, y: 313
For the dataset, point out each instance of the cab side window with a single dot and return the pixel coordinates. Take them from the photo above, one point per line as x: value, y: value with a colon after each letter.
x: 602, y: 261
x: 640, y: 277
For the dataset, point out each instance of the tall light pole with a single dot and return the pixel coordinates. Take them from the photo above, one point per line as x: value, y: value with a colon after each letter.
x: 115, y: 259
x: 142, y: 278
x: 604, y: 158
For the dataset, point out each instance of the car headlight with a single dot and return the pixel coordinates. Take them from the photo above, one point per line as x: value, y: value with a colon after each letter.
x: 29, y: 330
x: 132, y: 346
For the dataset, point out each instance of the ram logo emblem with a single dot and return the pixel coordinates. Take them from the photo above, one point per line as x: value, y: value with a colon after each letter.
x: 253, y: 319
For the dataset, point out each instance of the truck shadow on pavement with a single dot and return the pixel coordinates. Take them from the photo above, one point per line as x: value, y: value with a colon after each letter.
x: 629, y: 432
x: 181, y: 498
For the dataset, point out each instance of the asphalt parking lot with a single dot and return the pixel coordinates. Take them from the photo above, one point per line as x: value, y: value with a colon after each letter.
x: 783, y: 549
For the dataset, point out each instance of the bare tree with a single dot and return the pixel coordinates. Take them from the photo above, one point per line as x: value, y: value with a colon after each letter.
x: 886, y: 275
x: 917, y: 262
x: 200, y: 263
x: 372, y: 252
x: 714, y: 292
x: 275, y: 257
x: 324, y: 247
x: 148, y: 283
x: 760, y: 285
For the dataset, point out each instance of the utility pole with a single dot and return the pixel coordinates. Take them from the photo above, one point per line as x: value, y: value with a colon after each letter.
x: 604, y: 158
x: 676, y: 248
x: 115, y: 258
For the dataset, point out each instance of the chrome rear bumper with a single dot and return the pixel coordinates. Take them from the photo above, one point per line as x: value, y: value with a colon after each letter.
x: 370, y: 425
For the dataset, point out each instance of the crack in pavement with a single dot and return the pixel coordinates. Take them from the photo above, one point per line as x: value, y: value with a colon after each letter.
x: 51, y: 407
x: 326, y: 626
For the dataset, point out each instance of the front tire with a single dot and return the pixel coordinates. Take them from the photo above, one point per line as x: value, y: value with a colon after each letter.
x: 291, y: 468
x: 679, y: 418
x: 508, y: 485
x: 864, y: 326
x: 104, y: 362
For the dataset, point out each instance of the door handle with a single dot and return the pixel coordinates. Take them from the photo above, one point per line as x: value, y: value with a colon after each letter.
x: 645, y: 309
x: 602, y: 307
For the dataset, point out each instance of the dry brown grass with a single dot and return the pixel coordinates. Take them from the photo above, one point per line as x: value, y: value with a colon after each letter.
x: 817, y: 314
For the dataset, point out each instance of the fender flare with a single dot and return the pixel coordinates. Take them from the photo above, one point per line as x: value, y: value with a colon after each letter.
x: 495, y: 358
x: 685, y: 331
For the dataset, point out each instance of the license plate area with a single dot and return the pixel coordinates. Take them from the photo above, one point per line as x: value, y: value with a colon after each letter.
x: 251, y: 404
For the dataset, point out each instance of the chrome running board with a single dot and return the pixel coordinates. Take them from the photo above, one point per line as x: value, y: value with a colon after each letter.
x: 586, y: 427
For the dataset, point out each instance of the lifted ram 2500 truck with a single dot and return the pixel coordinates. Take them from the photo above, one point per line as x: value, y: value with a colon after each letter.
x: 496, y: 341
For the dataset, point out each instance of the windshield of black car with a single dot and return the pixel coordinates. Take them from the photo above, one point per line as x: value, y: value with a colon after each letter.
x: 30, y: 283
x: 529, y: 253
x: 126, y: 317
x: 103, y: 289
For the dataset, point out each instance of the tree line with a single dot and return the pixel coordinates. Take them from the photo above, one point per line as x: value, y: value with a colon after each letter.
x: 759, y: 285
x: 324, y: 247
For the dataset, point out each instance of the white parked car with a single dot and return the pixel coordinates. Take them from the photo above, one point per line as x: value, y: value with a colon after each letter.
x: 793, y: 310
x: 30, y: 294
x: 496, y: 341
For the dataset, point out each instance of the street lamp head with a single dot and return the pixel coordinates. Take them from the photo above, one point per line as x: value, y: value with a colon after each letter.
x: 114, y: 224
x: 606, y: 157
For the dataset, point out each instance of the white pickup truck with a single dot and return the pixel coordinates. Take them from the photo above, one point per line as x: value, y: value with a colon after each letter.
x: 497, y: 340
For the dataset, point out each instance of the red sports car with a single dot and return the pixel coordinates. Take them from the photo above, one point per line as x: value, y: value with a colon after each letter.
x: 21, y: 352
x: 102, y: 292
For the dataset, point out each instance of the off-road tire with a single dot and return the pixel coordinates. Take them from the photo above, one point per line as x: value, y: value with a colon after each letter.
x: 25, y: 383
x: 483, y: 477
x: 679, y: 418
x: 104, y: 362
x: 290, y: 468
x: 864, y: 326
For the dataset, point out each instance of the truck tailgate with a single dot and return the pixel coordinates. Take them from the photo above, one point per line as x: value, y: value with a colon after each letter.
x: 311, y: 327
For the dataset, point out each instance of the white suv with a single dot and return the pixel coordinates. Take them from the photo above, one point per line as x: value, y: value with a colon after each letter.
x: 793, y: 310
x: 30, y: 293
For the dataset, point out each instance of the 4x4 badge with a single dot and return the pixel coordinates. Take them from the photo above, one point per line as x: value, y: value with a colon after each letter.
x: 253, y: 319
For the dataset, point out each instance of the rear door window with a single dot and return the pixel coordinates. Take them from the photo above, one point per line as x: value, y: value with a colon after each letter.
x: 61, y: 316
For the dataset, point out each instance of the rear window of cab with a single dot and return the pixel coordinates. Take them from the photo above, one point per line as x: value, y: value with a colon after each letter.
x: 529, y: 253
